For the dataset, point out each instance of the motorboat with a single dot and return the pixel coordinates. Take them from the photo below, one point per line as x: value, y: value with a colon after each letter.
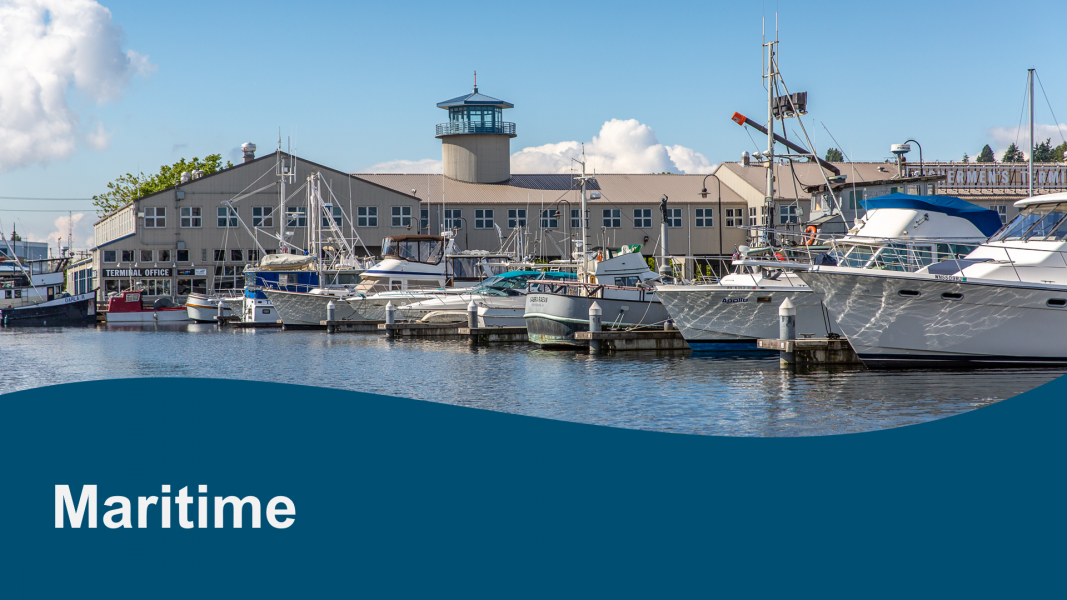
x: 621, y: 285
x: 413, y: 268
x: 500, y: 300
x: 899, y: 233
x: 31, y: 293
x: 204, y: 308
x: 126, y: 308
x: 1003, y: 303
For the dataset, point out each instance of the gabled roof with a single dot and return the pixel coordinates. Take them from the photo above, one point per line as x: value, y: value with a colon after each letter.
x: 474, y: 99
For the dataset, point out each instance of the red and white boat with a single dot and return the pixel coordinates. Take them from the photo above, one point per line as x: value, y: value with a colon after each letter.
x: 126, y: 307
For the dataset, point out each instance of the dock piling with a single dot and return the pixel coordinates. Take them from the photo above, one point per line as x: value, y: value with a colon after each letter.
x: 787, y: 331
x: 331, y: 313
x: 472, y: 323
x: 390, y: 319
x: 595, y: 313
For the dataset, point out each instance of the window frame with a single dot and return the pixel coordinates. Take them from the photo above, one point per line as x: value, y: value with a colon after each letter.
x: 612, y: 218
x: 398, y: 218
x: 191, y: 217
x: 265, y: 218
x: 155, y: 217
x: 296, y: 217
x: 366, y: 216
x: 703, y: 218
x: 516, y: 216
x: 486, y: 220
x: 226, y: 218
x: 642, y: 218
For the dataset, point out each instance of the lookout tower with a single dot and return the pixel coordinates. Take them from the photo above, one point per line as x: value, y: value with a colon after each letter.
x: 476, y: 141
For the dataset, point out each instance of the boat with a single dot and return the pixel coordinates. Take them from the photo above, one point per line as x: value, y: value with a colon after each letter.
x: 413, y: 268
x: 204, y: 308
x: 31, y: 294
x: 500, y: 300
x: 898, y: 233
x: 1003, y: 303
x: 126, y: 308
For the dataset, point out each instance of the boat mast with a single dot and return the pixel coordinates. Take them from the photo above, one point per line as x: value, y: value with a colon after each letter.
x: 1030, y: 174
x: 769, y: 199
x: 582, y: 269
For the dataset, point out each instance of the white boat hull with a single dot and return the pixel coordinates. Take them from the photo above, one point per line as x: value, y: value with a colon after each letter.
x: 204, y: 309
x: 148, y: 317
x: 994, y: 322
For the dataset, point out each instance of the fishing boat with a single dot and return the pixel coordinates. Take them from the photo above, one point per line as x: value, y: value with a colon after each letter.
x: 31, y: 294
x: 126, y: 308
x: 898, y: 233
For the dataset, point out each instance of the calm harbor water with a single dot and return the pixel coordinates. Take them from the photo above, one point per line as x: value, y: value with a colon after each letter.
x: 739, y: 395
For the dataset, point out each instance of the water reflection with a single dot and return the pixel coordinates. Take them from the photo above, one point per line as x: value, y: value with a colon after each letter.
x: 744, y: 394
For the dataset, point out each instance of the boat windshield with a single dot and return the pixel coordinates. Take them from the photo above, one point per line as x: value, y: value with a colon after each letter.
x: 424, y: 251
x: 1038, y: 222
x: 500, y: 286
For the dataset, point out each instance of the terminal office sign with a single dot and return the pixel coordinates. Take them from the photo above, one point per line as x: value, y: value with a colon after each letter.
x: 136, y: 272
x: 1003, y: 176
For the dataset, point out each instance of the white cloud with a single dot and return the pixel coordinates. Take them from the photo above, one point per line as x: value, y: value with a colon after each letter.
x: 47, y: 48
x: 1005, y: 136
x: 426, y: 165
x: 623, y: 146
x: 83, y: 232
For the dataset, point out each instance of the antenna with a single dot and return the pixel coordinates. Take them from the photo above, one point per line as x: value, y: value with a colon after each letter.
x: 475, y: 81
x: 70, y: 232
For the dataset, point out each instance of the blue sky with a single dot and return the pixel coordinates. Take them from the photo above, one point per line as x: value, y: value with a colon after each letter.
x: 357, y: 83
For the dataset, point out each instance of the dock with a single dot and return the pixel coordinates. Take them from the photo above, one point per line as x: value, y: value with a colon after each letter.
x: 637, y: 339
x: 456, y: 330
x: 351, y: 326
x: 812, y: 351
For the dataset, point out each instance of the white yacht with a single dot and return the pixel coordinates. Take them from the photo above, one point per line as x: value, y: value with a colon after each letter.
x: 898, y: 233
x: 1005, y: 302
x: 501, y: 300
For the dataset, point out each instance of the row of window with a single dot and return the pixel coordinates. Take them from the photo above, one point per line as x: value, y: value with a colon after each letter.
x: 183, y: 256
x: 400, y: 216
x: 182, y: 287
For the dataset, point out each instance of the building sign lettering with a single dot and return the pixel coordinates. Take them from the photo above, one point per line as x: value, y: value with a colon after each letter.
x: 136, y: 272
x: 997, y: 176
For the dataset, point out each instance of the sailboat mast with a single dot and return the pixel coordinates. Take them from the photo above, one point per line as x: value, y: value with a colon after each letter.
x: 1030, y: 175
x: 585, y: 233
x: 767, y: 202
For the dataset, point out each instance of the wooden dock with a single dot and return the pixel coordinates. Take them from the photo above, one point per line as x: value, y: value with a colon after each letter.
x: 813, y: 351
x: 351, y: 326
x: 637, y: 339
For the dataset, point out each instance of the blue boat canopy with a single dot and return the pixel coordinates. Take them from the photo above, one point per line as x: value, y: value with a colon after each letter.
x: 987, y: 221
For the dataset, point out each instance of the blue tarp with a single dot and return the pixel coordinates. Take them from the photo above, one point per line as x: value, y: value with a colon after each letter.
x: 987, y: 221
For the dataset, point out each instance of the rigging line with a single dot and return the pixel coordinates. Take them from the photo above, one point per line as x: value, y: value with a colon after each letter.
x: 1057, y: 121
x: 37, y: 210
x: 46, y: 199
x: 1019, y: 126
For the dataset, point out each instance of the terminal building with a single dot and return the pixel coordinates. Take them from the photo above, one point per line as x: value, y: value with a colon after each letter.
x: 185, y: 239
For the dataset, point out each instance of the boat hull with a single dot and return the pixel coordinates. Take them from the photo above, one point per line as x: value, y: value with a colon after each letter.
x: 203, y: 309
x: 165, y: 315
x: 553, y: 319
x: 713, y: 317
x: 75, y: 310
x: 991, y: 323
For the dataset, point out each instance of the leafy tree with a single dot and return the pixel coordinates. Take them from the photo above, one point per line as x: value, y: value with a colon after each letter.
x: 834, y: 155
x: 1043, y: 151
x: 1058, y: 152
x: 130, y: 187
x: 986, y: 155
x: 1012, y: 155
x: 966, y: 158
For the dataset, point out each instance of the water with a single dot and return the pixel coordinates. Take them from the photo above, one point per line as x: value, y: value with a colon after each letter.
x: 739, y: 395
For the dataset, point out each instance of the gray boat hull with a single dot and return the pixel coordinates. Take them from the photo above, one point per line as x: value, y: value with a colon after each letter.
x: 553, y: 319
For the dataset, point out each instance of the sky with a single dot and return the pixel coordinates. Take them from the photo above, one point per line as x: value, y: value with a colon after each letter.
x: 90, y: 90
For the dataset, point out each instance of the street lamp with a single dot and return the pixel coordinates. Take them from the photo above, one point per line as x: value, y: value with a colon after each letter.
x: 921, y: 170
x: 704, y: 194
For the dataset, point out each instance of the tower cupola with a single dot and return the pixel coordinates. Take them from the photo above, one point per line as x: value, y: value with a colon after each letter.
x: 476, y: 141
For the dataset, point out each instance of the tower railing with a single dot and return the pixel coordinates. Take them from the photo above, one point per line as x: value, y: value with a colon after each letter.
x: 462, y: 127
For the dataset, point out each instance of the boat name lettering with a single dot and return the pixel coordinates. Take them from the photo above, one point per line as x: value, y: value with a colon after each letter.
x: 538, y: 298
x: 733, y: 300
x: 136, y: 272
x: 949, y: 278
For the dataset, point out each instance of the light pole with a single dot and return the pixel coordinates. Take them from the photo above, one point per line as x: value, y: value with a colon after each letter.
x: 704, y: 194
x: 921, y: 170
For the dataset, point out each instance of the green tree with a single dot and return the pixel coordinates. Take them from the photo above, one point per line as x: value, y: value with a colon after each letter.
x: 1043, y: 151
x: 1012, y: 155
x: 834, y: 155
x: 1058, y: 152
x: 986, y: 155
x: 966, y: 158
x: 130, y: 187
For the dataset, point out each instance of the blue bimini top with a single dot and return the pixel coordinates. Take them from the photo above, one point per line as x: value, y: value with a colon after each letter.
x: 987, y: 221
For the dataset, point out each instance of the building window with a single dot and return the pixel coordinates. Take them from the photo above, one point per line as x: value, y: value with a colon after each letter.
x: 155, y: 287
x: 253, y: 256
x: 228, y: 278
x: 219, y: 255
x: 516, y: 217
x: 109, y: 256
x: 164, y: 255
x: 203, y: 255
x: 296, y: 216
x: 787, y: 215
x: 752, y: 215
x: 549, y: 220
x: 262, y: 216
x: 735, y: 217
x: 703, y: 217
x: 576, y: 221
x: 1002, y: 210
x: 483, y: 218
x: 237, y: 255
x: 227, y: 217
x: 336, y: 213
x: 424, y: 219
x: 643, y: 218
x: 674, y: 217
x: 401, y: 216
x: 612, y: 218
x: 155, y: 217
x: 855, y: 199
x: 367, y: 216
x: 146, y: 256
x: 454, y: 218
x: 183, y: 255
x: 191, y: 217
x: 195, y: 286
x: 127, y: 256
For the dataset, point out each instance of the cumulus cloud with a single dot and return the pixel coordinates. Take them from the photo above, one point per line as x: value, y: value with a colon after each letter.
x: 47, y: 48
x: 426, y: 165
x: 1005, y: 136
x: 83, y: 232
x: 623, y: 146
